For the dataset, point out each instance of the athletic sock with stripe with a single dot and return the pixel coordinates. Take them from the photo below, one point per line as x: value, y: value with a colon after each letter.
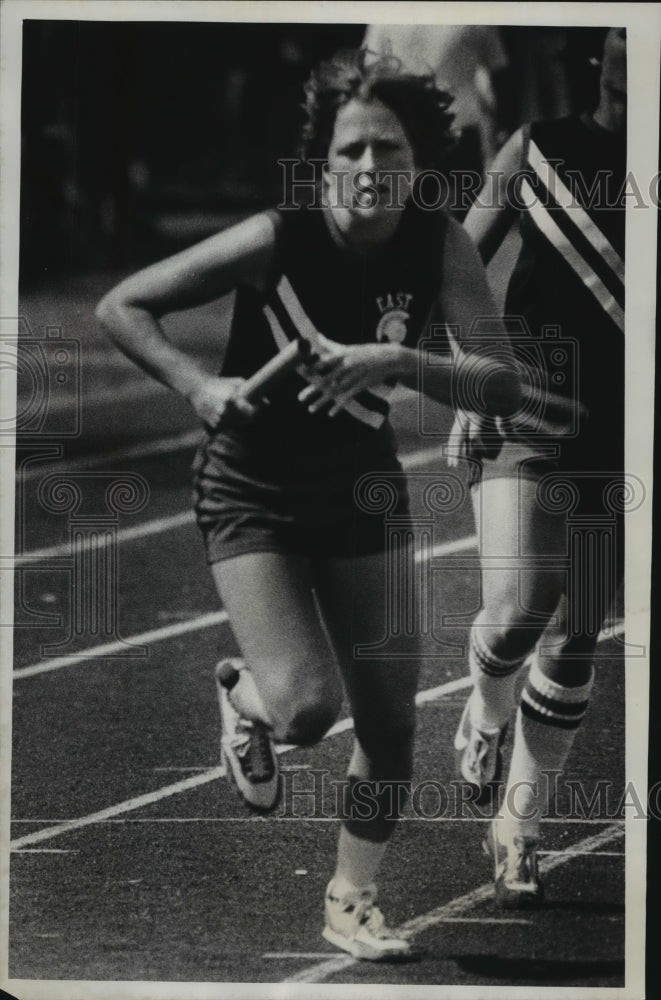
x: 493, y: 698
x: 547, y: 720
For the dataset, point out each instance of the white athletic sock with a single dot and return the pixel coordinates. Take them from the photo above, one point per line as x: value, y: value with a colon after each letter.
x: 547, y: 720
x: 358, y: 861
x: 493, y: 698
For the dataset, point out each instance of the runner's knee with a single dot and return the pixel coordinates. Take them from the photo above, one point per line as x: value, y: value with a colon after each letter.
x: 509, y: 632
x: 308, y: 714
x: 569, y: 664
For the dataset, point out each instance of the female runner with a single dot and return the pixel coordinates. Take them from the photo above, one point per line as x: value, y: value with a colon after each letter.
x: 299, y: 567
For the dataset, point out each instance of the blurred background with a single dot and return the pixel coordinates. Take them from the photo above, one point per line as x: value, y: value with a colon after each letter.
x: 141, y: 138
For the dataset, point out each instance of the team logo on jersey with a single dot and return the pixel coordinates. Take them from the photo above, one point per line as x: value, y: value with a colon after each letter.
x: 394, y: 316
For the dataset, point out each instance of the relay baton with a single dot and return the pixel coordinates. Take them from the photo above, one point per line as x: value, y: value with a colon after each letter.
x: 254, y: 388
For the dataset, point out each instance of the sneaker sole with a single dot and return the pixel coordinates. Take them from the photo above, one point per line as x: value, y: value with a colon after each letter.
x: 518, y: 899
x: 359, y: 949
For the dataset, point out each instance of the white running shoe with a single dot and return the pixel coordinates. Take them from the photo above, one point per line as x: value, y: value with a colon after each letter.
x: 355, y: 924
x: 479, y: 757
x: 516, y: 877
x: 247, y: 749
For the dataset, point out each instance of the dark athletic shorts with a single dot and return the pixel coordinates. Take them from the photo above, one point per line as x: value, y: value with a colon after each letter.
x: 296, y: 502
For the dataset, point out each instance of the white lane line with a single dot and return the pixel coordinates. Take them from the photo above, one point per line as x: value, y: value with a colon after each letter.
x: 433, y: 694
x: 455, y: 908
x: 135, y: 390
x: 145, y: 449
x: 159, y: 525
x: 149, y: 798
x: 153, y: 527
x: 295, y: 954
x: 194, y: 624
x: 449, y: 548
x: 318, y: 973
x: 197, y: 769
x: 109, y: 648
x: 482, y: 920
x: 44, y: 850
x: 580, y: 854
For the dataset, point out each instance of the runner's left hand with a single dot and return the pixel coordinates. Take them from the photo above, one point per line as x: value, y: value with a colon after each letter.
x: 342, y: 371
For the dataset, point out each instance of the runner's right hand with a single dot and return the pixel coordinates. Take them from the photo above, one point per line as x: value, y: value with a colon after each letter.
x: 217, y: 400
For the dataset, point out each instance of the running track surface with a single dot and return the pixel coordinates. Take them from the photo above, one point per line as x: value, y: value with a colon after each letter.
x: 132, y: 859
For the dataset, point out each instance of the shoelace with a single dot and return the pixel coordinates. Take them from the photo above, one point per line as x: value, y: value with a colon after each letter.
x: 370, y: 916
x: 253, y: 746
x: 520, y: 863
x: 476, y: 754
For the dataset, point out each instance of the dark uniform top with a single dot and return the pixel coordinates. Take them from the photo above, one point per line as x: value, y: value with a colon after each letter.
x: 287, y: 477
x: 318, y: 286
x: 568, y: 282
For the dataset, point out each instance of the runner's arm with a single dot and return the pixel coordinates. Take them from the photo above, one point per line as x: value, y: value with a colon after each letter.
x: 492, y: 213
x: 483, y: 360
x: 131, y: 312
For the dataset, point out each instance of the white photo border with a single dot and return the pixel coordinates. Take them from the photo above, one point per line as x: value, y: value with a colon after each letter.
x: 643, y: 24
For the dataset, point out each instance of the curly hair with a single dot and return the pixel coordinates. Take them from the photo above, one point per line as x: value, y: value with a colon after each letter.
x: 422, y: 108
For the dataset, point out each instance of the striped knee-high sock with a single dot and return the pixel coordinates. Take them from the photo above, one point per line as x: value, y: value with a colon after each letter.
x: 547, y: 720
x: 492, y: 701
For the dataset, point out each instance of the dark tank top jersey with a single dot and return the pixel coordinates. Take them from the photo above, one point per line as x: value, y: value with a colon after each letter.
x: 318, y: 287
x: 568, y: 283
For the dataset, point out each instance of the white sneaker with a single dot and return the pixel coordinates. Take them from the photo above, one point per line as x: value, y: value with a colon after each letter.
x: 355, y: 924
x: 479, y: 757
x: 516, y: 877
x: 248, y: 752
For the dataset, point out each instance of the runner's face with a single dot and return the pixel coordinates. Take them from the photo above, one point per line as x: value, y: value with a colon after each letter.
x: 368, y: 149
